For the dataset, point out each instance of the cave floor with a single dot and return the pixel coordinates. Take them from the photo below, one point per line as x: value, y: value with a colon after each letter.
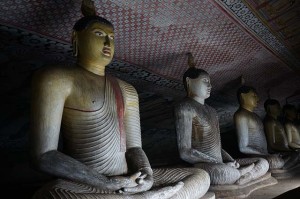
x: 284, y: 189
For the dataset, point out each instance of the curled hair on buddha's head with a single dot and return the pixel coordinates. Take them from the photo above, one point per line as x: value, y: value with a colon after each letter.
x: 244, y: 89
x: 84, y: 22
x: 88, y: 10
x: 270, y: 102
x: 192, y: 73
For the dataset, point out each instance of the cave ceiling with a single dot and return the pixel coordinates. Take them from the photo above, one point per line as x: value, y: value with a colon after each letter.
x: 255, y: 42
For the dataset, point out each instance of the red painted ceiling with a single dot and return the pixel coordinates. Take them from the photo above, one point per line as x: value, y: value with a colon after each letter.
x: 227, y: 38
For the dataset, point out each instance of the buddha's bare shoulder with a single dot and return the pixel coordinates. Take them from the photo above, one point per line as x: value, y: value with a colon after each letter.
x: 289, y: 124
x: 56, y: 72
x: 186, y: 104
x: 55, y: 77
x: 241, y: 113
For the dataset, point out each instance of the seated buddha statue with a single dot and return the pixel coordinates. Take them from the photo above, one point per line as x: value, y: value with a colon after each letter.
x: 290, y: 126
x: 250, y: 129
x: 274, y: 130
x: 198, y: 135
x: 97, y: 118
x: 276, y: 136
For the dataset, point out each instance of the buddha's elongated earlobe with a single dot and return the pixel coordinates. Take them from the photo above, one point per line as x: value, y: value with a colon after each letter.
x: 74, y: 44
x: 242, y: 97
x: 188, y: 86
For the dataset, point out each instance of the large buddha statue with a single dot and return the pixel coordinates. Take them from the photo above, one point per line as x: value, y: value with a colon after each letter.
x: 97, y: 118
x: 250, y: 129
x: 198, y: 135
x: 274, y: 130
x: 290, y: 126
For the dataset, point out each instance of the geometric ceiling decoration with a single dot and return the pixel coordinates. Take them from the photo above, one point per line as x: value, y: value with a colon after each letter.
x: 14, y: 41
x: 228, y: 39
x: 225, y: 36
x: 282, y: 18
x: 274, y: 23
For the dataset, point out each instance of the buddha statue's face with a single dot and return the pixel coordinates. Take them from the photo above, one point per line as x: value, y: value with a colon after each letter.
x: 249, y: 99
x: 291, y: 114
x: 274, y: 109
x: 96, y: 44
x: 200, y: 86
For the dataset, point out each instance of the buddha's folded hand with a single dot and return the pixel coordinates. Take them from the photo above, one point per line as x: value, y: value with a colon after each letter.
x: 121, y: 182
x: 144, y: 182
x: 233, y: 164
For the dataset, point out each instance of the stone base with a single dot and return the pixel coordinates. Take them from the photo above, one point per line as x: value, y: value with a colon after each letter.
x: 242, y: 191
x: 209, y: 195
x: 286, y: 173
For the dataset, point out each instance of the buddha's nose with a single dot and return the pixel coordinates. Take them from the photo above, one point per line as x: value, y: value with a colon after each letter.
x: 209, y: 85
x: 107, y: 41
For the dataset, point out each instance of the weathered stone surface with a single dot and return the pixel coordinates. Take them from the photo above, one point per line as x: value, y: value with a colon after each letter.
x: 285, y: 173
x: 242, y: 191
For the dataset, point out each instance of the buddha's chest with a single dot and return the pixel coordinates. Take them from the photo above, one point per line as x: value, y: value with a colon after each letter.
x: 279, y: 130
x: 255, y: 124
x: 204, y: 125
x: 201, y: 121
x: 295, y: 133
x: 88, y: 95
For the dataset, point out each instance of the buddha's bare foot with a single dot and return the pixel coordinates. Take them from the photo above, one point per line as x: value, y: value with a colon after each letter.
x: 165, y: 192
x: 246, y: 169
x: 244, y: 179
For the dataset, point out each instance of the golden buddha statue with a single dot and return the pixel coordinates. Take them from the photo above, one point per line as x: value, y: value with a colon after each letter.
x: 198, y: 135
x: 250, y: 130
x: 290, y: 126
x: 97, y: 118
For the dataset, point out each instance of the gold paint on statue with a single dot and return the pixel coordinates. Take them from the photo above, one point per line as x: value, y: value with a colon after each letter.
x: 97, y: 118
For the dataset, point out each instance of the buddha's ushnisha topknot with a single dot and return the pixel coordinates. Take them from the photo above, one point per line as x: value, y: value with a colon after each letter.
x: 88, y: 8
x: 191, y: 61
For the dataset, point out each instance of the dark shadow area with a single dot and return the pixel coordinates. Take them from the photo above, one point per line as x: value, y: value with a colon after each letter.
x: 292, y: 194
x: 18, y: 179
x: 230, y: 144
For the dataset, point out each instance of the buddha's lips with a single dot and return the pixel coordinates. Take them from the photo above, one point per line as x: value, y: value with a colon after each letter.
x: 106, y: 51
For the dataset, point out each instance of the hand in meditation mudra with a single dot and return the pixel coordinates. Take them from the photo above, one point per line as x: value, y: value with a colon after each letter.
x: 291, y: 127
x: 97, y: 117
x: 198, y: 135
x: 250, y: 129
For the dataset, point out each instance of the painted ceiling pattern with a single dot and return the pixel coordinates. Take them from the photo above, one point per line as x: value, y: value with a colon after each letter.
x: 263, y: 28
x: 156, y: 35
x: 282, y: 17
x: 152, y: 38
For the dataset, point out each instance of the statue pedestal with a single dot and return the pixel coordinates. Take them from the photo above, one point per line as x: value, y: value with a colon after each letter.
x: 242, y: 191
x: 286, y: 173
